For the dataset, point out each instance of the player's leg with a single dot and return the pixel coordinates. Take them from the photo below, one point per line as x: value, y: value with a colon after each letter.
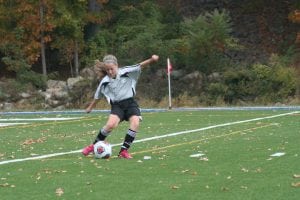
x: 112, y: 122
x: 115, y: 117
x: 133, y: 115
x: 130, y: 136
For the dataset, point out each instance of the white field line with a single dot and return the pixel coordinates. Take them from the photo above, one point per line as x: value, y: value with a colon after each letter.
x: 40, y: 119
x: 33, y: 119
x: 151, y: 138
x: 11, y: 124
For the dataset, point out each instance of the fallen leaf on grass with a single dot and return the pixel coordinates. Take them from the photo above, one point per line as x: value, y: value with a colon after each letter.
x: 7, y: 185
x: 258, y: 170
x: 224, y: 189
x: 296, y: 175
x: 296, y: 184
x: 174, y: 187
x: 204, y: 159
x: 194, y: 173
x: 244, y: 170
x: 184, y: 171
x: 4, y: 185
x: 59, y: 192
x: 60, y: 171
x: 32, y: 141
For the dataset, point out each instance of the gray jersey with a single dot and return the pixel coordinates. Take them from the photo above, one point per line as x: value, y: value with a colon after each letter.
x: 120, y: 88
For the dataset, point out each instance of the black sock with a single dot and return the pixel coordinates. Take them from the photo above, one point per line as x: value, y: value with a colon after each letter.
x: 101, y: 135
x: 129, y: 138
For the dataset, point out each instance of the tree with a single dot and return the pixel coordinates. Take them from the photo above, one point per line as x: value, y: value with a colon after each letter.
x: 71, y: 19
x: 207, y: 37
x: 27, y: 27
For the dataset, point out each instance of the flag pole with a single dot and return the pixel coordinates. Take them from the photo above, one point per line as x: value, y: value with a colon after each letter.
x: 169, y: 83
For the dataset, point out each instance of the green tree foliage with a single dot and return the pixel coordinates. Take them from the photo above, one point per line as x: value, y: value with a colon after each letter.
x: 207, y: 37
x: 261, y: 83
x: 133, y: 33
x: 11, y: 38
x: 68, y: 36
x: 71, y: 19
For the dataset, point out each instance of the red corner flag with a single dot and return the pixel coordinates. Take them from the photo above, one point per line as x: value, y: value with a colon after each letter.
x: 169, y: 67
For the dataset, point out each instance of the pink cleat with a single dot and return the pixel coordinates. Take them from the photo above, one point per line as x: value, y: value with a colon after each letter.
x: 124, y: 154
x: 87, y: 150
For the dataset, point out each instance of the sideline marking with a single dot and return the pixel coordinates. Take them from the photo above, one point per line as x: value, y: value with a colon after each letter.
x: 24, y: 125
x: 40, y: 119
x: 33, y: 119
x: 11, y: 124
x: 152, y: 138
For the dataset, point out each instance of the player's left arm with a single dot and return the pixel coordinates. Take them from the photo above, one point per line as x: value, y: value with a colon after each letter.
x: 154, y: 58
x: 91, y: 105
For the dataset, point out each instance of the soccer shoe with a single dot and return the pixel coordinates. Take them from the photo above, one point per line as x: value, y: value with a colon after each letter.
x: 88, y: 149
x: 124, y: 154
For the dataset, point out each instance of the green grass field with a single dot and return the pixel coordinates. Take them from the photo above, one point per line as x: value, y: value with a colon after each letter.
x: 236, y: 161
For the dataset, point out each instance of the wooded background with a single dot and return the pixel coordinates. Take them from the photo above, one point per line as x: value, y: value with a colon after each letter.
x: 222, y: 51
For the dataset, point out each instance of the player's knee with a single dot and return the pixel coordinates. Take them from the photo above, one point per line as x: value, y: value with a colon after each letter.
x: 134, y: 122
x: 110, y: 126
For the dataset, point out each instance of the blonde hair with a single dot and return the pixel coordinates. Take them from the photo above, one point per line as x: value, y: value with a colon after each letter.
x: 110, y: 59
x: 99, y: 67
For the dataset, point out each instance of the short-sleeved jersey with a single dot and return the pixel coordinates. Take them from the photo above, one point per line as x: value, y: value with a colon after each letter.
x: 119, y: 88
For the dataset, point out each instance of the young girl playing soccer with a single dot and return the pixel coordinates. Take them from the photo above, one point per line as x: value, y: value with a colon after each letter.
x: 119, y: 88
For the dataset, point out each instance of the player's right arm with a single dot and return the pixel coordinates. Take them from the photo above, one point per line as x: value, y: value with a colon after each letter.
x: 154, y: 58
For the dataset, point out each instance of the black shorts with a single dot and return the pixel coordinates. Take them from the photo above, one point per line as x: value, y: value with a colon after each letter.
x: 125, y: 109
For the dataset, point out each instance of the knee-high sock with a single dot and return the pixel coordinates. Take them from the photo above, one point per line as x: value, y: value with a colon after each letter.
x: 101, y: 135
x: 129, y: 138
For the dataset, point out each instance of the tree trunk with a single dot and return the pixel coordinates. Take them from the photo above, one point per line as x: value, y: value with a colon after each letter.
x: 91, y: 28
x: 76, y: 60
x: 43, y: 56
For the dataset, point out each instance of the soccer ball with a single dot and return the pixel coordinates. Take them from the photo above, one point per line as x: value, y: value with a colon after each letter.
x: 102, y: 149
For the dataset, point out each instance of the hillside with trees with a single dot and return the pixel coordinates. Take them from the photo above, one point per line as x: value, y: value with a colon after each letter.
x: 223, y: 52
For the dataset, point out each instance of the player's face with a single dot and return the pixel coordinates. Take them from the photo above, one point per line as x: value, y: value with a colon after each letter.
x: 111, y: 70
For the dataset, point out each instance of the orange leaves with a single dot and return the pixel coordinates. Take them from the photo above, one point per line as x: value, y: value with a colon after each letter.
x: 33, y: 141
x: 24, y: 7
x: 35, y: 21
x: 295, y: 16
x: 98, y: 19
x: 298, y: 38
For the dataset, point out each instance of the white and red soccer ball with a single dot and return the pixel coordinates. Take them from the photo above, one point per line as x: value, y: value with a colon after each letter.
x: 102, y: 149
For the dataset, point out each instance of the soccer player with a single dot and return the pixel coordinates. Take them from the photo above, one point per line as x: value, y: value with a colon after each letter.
x: 119, y: 88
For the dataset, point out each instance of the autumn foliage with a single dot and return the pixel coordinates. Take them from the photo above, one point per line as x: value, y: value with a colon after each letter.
x: 295, y: 17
